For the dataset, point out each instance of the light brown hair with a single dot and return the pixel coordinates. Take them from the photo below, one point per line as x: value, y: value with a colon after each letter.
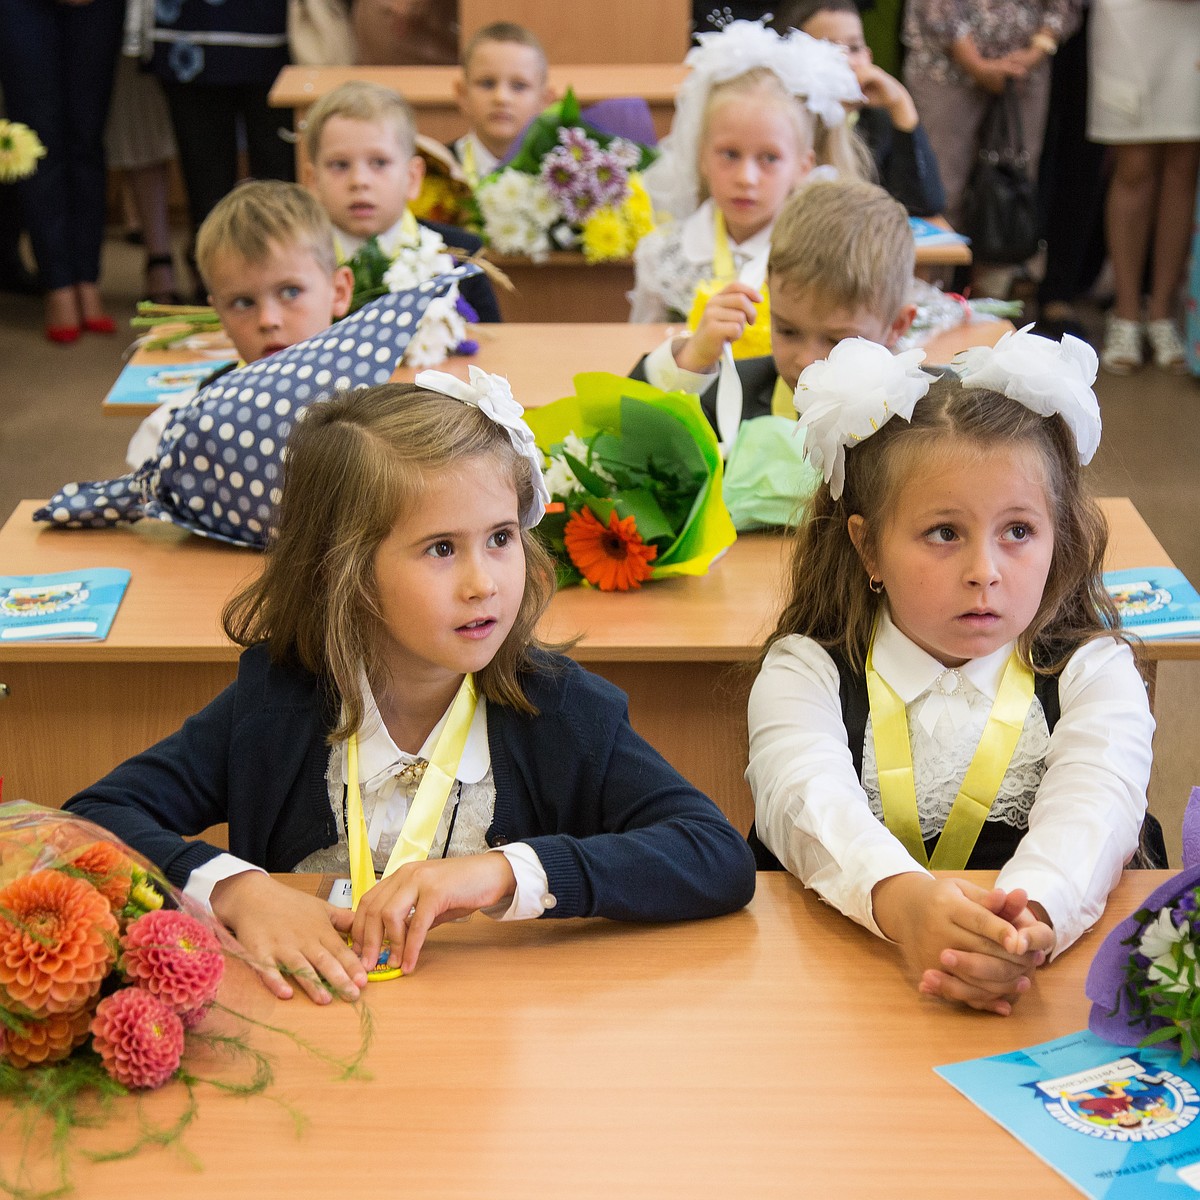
x: 354, y: 464
x: 847, y: 240
x: 260, y: 215
x: 830, y: 599
x: 359, y: 100
x: 503, y: 31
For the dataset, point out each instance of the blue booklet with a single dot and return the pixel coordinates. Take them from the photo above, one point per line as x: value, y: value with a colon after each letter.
x: 143, y: 385
x: 1155, y: 602
x: 926, y: 233
x: 76, y: 605
x: 1114, y: 1121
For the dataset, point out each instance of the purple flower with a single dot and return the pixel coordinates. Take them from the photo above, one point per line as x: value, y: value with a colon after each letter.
x: 576, y: 143
x: 467, y: 346
x: 464, y: 309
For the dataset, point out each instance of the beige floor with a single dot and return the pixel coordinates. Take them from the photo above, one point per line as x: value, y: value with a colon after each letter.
x: 52, y: 431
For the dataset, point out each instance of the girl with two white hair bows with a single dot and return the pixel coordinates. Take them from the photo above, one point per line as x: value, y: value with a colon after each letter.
x: 944, y: 688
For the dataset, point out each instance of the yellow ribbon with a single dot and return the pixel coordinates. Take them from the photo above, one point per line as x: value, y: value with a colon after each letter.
x: 756, y: 339
x: 783, y: 401
x: 893, y: 757
x: 469, y: 162
x: 424, y: 814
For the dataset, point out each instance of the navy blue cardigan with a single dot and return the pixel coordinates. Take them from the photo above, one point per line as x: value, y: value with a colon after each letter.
x: 618, y: 831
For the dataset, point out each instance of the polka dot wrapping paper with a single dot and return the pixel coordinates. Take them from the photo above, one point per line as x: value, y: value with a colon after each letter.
x: 218, y: 469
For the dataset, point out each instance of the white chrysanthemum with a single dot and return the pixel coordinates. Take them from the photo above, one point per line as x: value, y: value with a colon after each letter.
x: 543, y: 209
x: 510, y: 233
x: 440, y: 329
x: 415, y: 262
x: 1046, y: 376
x: 507, y: 190
x: 493, y: 396
x: 850, y: 395
x: 560, y: 479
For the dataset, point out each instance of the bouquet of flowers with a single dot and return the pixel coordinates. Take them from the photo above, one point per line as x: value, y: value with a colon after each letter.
x: 103, y: 986
x: 20, y: 149
x: 445, y: 194
x: 570, y: 185
x: 634, y: 474
x: 1144, y: 982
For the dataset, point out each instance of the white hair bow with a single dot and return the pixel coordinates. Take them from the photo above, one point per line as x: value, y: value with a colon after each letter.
x: 492, y: 395
x: 1045, y: 376
x: 851, y: 395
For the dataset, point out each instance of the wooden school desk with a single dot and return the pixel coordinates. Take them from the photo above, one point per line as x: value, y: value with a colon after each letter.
x: 540, y: 361
x: 430, y: 91
x: 776, y: 1052
x: 683, y: 649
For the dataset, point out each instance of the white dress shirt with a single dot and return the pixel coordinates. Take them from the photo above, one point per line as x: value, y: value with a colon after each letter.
x: 387, y: 791
x: 485, y: 161
x: 1084, y: 817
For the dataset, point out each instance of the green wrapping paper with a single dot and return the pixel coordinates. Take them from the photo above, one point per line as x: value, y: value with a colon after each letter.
x: 767, y: 478
x: 648, y: 429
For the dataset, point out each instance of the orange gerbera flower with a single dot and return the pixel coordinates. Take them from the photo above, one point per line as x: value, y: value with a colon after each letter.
x: 49, y: 1040
x: 614, y: 558
x: 58, y: 940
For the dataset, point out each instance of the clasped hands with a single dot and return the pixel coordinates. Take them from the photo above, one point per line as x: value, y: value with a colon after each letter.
x: 292, y: 937
x: 964, y: 943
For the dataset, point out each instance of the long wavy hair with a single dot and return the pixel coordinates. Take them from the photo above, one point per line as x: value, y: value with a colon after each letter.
x: 830, y: 597
x: 354, y: 466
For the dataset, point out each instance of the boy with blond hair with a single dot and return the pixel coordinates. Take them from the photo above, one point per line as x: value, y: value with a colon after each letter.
x: 266, y: 255
x: 360, y: 140
x: 502, y: 88
x: 840, y: 265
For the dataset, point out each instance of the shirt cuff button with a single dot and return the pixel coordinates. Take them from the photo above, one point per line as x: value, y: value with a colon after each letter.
x: 549, y: 901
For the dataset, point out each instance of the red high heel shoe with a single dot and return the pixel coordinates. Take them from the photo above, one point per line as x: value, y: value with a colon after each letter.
x: 62, y: 335
x: 101, y: 324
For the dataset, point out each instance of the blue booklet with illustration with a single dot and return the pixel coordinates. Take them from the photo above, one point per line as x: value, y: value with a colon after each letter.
x: 1155, y: 602
x: 76, y: 605
x: 926, y: 233
x: 1114, y: 1121
x: 142, y: 385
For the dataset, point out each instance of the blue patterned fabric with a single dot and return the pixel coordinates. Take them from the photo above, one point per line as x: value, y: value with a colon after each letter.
x: 218, y: 468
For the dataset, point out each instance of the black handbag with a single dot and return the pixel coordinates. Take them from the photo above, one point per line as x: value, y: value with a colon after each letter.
x: 1000, y: 208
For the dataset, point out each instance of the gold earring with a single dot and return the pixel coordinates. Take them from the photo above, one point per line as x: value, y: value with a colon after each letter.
x: 876, y: 585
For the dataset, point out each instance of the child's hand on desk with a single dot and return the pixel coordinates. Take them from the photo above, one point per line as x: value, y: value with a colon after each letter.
x: 283, y: 929
x: 405, y: 906
x: 1009, y: 965
x: 724, y: 320
x: 931, y: 919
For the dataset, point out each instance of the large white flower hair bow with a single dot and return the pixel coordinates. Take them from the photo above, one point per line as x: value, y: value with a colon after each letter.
x: 492, y: 395
x: 1046, y: 376
x: 820, y: 73
x: 852, y: 394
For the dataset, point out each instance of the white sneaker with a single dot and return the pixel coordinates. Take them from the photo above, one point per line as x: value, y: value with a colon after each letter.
x: 1122, y: 353
x: 1166, y: 345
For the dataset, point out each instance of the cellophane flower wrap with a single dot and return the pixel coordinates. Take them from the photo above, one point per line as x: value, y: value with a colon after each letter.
x: 634, y: 475
x: 569, y: 186
x: 107, y: 979
x: 1144, y: 982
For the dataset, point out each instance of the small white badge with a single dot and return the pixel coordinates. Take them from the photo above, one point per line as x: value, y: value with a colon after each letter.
x: 340, y: 895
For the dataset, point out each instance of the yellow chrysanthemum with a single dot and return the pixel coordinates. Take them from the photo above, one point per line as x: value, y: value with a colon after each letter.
x: 605, y: 237
x: 20, y: 149
x: 638, y: 209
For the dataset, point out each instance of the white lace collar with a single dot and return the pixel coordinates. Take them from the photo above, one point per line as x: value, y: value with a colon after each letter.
x: 698, y: 243
x: 910, y: 671
x: 379, y: 756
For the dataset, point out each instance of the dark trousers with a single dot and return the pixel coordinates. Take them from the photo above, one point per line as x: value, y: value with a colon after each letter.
x: 1071, y: 181
x: 205, y: 117
x: 57, y: 63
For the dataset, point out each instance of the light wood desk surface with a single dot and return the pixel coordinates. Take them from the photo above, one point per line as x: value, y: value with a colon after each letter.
x: 430, y: 90
x: 682, y: 649
x: 540, y: 361
x: 776, y: 1052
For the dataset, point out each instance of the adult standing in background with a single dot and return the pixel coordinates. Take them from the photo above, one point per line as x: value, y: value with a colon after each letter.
x: 1144, y: 101
x: 217, y: 60
x: 57, y: 61
x: 961, y: 54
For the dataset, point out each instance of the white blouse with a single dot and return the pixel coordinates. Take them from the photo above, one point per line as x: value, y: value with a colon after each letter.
x: 1084, y: 801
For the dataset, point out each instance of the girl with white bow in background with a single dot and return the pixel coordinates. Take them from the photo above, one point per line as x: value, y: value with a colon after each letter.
x: 944, y: 688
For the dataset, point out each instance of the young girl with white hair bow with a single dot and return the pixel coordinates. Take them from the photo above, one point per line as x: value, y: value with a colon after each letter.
x: 395, y: 713
x: 944, y: 688
x: 755, y: 114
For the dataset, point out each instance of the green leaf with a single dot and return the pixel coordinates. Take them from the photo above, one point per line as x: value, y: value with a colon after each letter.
x: 590, y: 480
x: 1166, y: 1034
x: 649, y: 518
